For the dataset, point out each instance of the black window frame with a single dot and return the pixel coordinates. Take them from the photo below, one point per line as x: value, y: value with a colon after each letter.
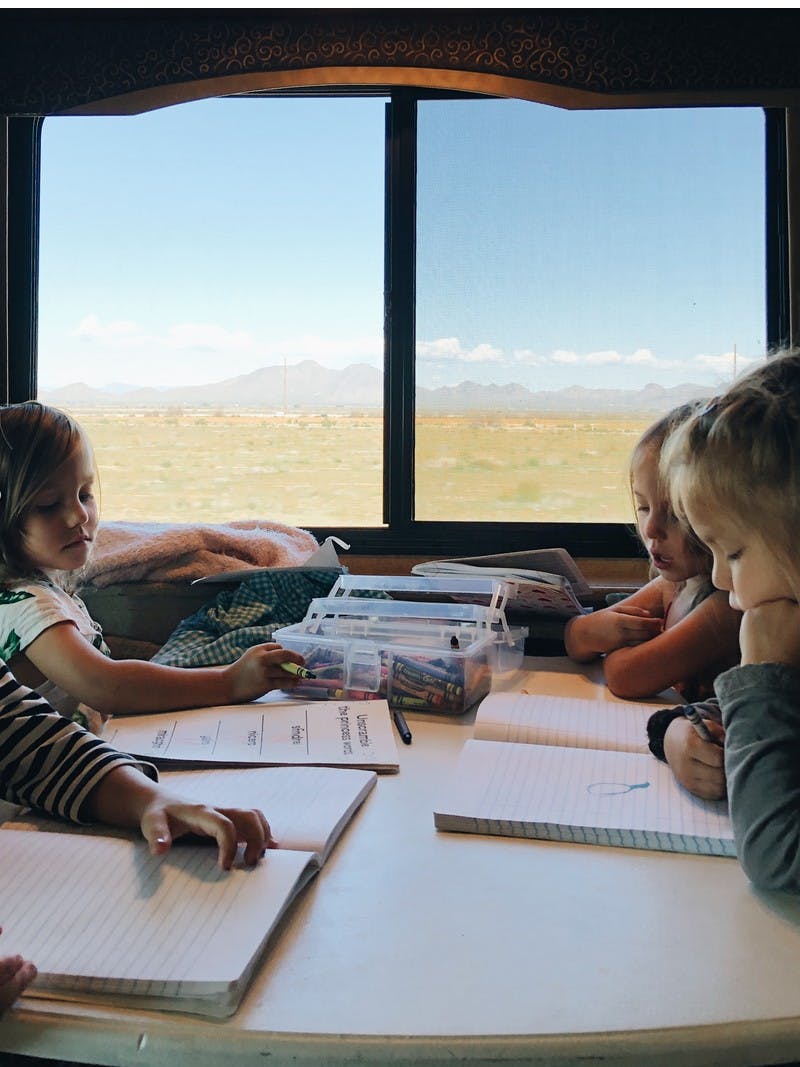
x: 401, y: 533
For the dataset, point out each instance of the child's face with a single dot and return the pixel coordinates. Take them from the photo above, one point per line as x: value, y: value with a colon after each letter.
x: 59, y: 527
x: 744, y: 564
x: 672, y: 554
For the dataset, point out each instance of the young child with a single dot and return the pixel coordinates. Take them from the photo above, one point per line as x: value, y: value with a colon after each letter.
x: 56, y: 766
x: 48, y: 521
x: 734, y: 473
x: 677, y: 630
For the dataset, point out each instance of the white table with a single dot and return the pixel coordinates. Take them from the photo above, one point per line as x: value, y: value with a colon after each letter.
x: 414, y: 946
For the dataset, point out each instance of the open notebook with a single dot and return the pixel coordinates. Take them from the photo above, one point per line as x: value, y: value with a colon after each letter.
x: 105, y: 921
x: 325, y: 733
x: 590, y: 782
x: 574, y: 722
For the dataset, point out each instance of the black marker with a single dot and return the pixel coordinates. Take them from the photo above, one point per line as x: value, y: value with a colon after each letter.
x: 402, y: 726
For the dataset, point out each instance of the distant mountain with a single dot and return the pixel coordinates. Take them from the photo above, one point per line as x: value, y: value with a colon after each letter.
x: 308, y: 386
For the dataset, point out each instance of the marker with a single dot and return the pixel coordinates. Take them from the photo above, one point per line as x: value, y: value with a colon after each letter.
x: 300, y: 672
x: 700, y: 728
x: 402, y: 726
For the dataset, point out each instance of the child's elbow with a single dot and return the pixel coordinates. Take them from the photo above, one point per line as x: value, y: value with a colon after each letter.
x: 624, y: 683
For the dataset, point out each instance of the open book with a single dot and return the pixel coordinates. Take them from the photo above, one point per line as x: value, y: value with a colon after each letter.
x: 325, y: 733
x: 545, y: 774
x: 545, y: 581
x: 105, y: 921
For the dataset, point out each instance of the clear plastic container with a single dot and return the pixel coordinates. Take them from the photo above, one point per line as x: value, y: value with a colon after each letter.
x: 421, y: 656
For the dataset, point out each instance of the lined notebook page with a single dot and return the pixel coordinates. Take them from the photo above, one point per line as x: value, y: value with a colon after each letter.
x: 584, y: 795
x: 102, y: 916
x: 568, y: 721
x: 306, y: 807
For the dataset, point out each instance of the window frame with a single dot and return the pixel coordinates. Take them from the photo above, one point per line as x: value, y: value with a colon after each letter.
x: 401, y: 533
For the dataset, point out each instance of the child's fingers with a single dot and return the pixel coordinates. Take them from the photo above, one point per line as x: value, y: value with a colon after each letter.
x: 227, y: 826
x: 22, y: 973
x: 252, y: 828
x: 156, y: 831
x: 9, y: 965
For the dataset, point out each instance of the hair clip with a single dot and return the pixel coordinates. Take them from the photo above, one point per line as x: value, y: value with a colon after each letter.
x: 709, y: 409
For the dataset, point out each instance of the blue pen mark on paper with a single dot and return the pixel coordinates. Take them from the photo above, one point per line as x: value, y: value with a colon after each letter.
x: 613, y: 789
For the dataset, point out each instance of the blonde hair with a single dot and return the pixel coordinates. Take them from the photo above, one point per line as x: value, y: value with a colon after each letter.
x: 655, y: 439
x: 34, y: 441
x: 740, y: 456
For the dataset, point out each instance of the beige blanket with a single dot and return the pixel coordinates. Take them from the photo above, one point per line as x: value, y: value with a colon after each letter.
x: 181, y: 552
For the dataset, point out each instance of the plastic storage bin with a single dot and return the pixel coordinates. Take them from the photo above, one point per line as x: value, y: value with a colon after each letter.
x: 419, y: 655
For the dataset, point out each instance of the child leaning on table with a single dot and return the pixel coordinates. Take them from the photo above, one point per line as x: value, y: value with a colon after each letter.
x: 48, y: 522
x: 54, y: 765
x: 734, y: 473
x: 677, y: 630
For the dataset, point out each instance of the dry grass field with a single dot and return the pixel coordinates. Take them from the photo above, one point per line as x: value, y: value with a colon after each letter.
x: 319, y: 470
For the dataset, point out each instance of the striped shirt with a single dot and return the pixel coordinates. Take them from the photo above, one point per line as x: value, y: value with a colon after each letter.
x: 46, y: 761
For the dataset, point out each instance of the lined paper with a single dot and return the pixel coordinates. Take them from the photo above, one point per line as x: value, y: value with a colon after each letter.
x: 306, y: 807
x: 588, y: 796
x: 103, y: 916
x: 572, y: 722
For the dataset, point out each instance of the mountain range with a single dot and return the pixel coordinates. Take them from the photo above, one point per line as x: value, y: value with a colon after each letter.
x: 308, y: 386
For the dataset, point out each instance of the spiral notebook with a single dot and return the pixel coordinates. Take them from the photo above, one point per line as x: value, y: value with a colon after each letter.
x: 582, y: 795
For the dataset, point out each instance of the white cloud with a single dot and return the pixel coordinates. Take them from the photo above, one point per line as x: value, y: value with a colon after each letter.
x: 195, y: 335
x: 123, y: 332
x: 725, y: 363
x: 237, y: 351
x: 450, y: 348
x: 206, y: 351
x: 563, y: 355
x: 643, y: 355
x: 527, y: 355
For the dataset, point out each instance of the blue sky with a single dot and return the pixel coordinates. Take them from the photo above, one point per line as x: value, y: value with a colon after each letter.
x: 206, y: 240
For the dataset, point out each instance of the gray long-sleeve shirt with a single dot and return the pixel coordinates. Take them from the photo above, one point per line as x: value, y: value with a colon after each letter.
x: 760, y: 706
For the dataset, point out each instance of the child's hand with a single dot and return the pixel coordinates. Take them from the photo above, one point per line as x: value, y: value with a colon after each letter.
x: 166, y: 818
x: 697, y: 764
x: 629, y: 625
x: 770, y: 633
x: 259, y: 669
x: 610, y: 628
x: 15, y: 974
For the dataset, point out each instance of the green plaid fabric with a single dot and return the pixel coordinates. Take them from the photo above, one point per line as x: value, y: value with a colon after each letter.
x: 247, y: 615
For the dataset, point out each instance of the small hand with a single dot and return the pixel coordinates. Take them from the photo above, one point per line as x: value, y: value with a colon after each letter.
x: 167, y: 818
x: 258, y: 670
x: 15, y: 975
x: 770, y: 633
x: 611, y: 628
x: 697, y: 764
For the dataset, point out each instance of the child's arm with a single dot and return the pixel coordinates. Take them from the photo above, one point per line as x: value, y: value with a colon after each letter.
x: 706, y: 636
x: 15, y: 974
x: 116, y: 687
x: 125, y: 797
x: 52, y: 764
x: 760, y: 703
x: 633, y: 620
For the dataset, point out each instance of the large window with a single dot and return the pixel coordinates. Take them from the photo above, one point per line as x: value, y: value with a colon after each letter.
x: 212, y: 306
x: 578, y: 274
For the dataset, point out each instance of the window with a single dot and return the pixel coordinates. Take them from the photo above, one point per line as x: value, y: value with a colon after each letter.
x: 211, y: 307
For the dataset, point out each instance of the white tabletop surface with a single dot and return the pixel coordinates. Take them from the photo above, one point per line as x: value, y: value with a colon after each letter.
x: 415, y: 946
